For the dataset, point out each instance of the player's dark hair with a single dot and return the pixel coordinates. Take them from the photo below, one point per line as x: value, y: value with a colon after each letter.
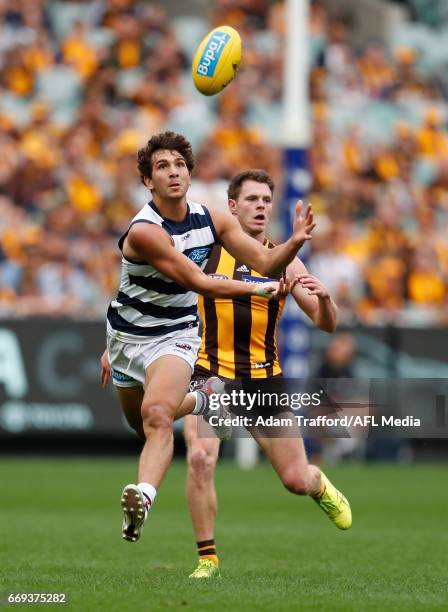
x: 164, y: 140
x: 259, y: 176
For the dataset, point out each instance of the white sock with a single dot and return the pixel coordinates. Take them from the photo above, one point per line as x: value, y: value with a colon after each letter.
x: 201, y: 404
x: 149, y: 493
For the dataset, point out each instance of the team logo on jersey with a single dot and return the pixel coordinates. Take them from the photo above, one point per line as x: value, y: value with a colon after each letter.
x: 184, y: 346
x: 199, y: 255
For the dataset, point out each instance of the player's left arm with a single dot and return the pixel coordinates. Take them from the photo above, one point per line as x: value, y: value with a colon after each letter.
x: 313, y: 297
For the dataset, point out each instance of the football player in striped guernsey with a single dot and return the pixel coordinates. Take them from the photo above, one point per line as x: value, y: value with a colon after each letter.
x: 152, y: 324
x: 239, y: 342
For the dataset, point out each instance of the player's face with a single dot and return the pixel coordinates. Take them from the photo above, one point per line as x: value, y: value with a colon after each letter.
x: 253, y: 207
x: 170, y: 176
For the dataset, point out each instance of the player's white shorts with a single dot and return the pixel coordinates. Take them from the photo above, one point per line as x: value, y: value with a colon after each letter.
x: 129, y: 361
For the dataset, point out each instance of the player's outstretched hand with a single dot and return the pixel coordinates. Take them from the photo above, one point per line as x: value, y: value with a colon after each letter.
x: 276, y: 289
x: 105, y: 369
x: 313, y: 285
x: 303, y: 225
x: 286, y: 285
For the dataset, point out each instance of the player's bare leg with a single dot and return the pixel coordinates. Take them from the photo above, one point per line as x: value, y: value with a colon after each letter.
x: 202, y: 455
x: 131, y: 399
x: 167, y: 381
x: 166, y: 384
x: 137, y: 499
x: 288, y: 457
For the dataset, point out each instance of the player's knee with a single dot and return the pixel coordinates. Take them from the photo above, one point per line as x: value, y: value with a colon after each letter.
x: 197, y: 460
x: 295, y: 482
x: 157, y: 416
x: 200, y: 464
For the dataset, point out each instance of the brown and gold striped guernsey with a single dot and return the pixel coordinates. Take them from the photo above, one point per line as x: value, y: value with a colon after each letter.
x: 239, y: 335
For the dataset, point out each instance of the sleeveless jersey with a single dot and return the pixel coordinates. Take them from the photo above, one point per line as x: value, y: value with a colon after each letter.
x: 239, y: 334
x: 148, y: 302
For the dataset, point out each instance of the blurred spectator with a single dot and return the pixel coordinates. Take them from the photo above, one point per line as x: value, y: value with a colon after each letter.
x: 377, y: 72
x: 334, y: 266
x: 432, y: 138
x: 338, y: 358
x: 425, y: 285
x: 84, y: 86
x: 340, y: 397
x: 78, y: 52
x: 208, y: 184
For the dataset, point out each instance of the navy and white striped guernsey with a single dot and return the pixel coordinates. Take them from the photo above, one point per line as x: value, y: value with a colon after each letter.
x: 148, y: 302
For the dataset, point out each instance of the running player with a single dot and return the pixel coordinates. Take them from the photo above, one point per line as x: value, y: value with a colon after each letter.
x: 239, y: 341
x: 152, y: 325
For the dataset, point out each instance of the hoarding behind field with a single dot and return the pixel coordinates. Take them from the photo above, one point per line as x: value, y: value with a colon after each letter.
x: 50, y: 374
x: 50, y: 380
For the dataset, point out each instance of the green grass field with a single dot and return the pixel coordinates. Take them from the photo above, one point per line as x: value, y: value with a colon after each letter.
x: 61, y: 533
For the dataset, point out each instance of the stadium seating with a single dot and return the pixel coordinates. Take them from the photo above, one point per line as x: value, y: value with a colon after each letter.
x: 84, y: 84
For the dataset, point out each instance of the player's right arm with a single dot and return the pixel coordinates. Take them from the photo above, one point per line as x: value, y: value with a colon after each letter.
x: 105, y: 369
x: 152, y: 244
x: 313, y: 297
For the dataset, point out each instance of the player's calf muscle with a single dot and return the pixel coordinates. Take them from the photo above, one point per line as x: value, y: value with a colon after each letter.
x: 186, y: 407
x: 131, y: 402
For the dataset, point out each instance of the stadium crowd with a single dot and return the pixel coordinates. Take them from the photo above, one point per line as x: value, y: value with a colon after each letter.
x: 84, y: 84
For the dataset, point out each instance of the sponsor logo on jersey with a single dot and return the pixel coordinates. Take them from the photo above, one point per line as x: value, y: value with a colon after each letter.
x: 258, y: 365
x: 186, y: 236
x: 242, y: 268
x: 116, y: 375
x: 183, y: 345
x: 219, y: 276
x: 257, y: 279
x: 199, y: 255
x: 211, y: 54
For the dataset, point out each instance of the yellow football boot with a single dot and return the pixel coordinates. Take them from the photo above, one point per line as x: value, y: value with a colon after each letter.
x: 335, y: 505
x: 206, y: 569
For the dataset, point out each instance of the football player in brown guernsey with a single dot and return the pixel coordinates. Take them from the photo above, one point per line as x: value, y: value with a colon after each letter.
x: 239, y: 342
